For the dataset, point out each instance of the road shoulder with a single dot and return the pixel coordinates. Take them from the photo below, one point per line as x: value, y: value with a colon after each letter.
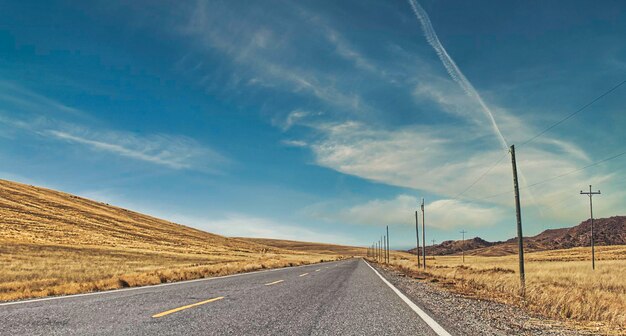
x: 467, y: 316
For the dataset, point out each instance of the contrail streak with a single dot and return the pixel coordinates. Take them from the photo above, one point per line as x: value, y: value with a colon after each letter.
x: 458, y: 76
x: 452, y: 68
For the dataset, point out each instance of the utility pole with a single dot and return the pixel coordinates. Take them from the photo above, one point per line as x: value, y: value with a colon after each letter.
x: 423, y: 236
x: 375, y: 251
x: 463, y: 232
x: 384, y: 249
x: 387, y: 244
x: 417, y: 234
x: 433, y: 241
x: 520, y: 237
x: 593, y: 253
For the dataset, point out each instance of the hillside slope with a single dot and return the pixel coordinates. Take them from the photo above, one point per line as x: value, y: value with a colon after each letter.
x: 41, y: 216
x: 320, y: 248
x: 56, y: 243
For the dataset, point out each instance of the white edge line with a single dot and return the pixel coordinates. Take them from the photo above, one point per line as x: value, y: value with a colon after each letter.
x: 111, y: 291
x: 425, y: 317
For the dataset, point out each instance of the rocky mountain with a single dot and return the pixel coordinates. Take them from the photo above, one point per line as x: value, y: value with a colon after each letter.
x: 456, y: 246
x: 607, y: 231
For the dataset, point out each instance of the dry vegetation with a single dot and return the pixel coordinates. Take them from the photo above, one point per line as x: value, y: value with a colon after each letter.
x: 559, y: 284
x: 319, y: 248
x: 54, y: 243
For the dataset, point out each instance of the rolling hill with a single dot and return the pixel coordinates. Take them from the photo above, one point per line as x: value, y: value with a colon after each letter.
x: 320, y: 248
x: 57, y: 243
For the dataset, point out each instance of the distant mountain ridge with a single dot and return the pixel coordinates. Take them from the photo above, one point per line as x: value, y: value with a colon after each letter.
x: 607, y: 231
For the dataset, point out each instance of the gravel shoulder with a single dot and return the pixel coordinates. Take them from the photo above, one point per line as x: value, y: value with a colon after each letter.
x: 461, y: 315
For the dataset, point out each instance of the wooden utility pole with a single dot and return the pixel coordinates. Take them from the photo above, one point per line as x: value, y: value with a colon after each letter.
x: 384, y: 249
x: 423, y: 236
x: 376, y: 251
x: 417, y: 234
x: 593, y: 252
x: 463, y: 232
x: 387, y: 244
x: 520, y: 237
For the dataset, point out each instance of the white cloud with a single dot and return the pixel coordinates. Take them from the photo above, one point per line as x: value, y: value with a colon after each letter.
x: 294, y: 143
x: 439, y: 156
x: 442, y: 214
x: 175, y: 152
x: 447, y: 214
x: 169, y: 151
x: 294, y: 117
x: 246, y: 45
x: 438, y: 160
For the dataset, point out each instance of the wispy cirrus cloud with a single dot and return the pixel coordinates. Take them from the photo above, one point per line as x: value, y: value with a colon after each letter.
x: 23, y: 99
x: 261, y: 53
x: 448, y: 140
x: 46, y: 118
x: 176, y: 152
x: 454, y: 71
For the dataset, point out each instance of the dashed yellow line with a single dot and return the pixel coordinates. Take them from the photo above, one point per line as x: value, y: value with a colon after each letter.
x: 186, y: 307
x: 303, y: 274
x: 273, y: 283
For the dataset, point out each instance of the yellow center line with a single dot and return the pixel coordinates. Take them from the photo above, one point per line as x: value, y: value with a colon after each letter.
x: 303, y: 274
x: 186, y: 307
x: 273, y: 283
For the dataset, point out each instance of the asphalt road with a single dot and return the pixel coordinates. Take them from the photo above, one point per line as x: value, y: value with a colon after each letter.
x: 337, y: 298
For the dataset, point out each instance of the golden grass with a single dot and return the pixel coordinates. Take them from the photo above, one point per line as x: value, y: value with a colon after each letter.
x: 559, y: 284
x: 320, y: 248
x: 53, y: 243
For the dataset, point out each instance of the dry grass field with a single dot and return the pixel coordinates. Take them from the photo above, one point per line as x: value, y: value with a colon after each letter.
x: 319, y: 248
x: 559, y: 283
x: 53, y: 243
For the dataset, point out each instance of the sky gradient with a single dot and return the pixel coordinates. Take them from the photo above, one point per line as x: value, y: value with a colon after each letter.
x: 319, y: 120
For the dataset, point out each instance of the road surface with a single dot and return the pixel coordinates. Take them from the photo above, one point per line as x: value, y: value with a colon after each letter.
x: 336, y: 298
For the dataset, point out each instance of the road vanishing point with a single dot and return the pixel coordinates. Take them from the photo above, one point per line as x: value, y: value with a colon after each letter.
x: 346, y: 297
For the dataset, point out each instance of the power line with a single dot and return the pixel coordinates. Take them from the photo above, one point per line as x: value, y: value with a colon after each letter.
x: 557, y: 176
x: 481, y: 176
x: 577, y: 170
x: 573, y: 113
x: 536, y: 136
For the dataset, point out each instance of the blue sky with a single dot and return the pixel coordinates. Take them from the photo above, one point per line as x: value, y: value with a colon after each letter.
x: 318, y: 120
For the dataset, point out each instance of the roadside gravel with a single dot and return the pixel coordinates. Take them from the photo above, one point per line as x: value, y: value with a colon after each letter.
x: 467, y: 316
